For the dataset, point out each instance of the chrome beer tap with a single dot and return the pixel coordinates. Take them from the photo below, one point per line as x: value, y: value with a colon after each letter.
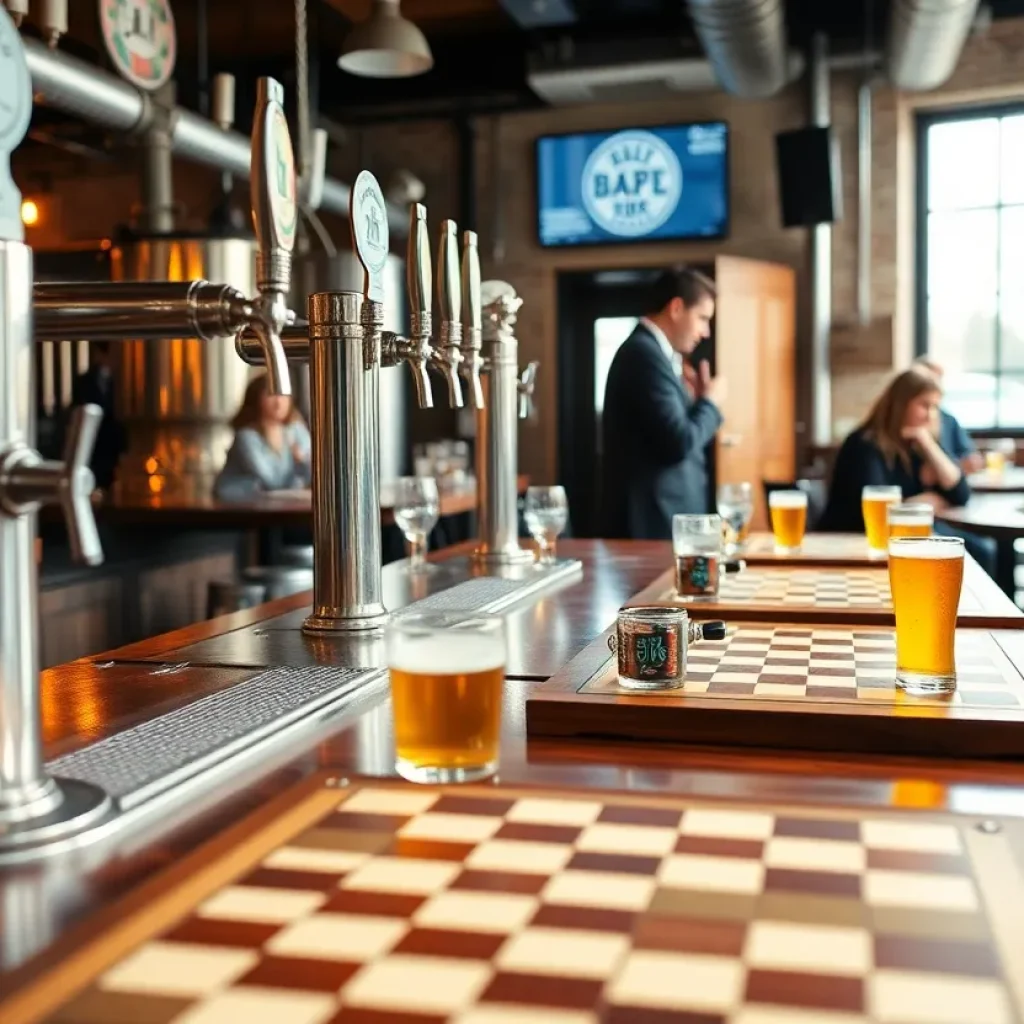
x: 472, y: 362
x: 505, y: 399
x: 34, y: 808
x: 417, y: 349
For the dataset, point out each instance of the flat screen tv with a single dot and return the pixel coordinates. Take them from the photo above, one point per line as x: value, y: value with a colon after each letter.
x: 634, y: 185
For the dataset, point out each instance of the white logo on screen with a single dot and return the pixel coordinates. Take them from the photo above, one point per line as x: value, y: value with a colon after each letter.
x: 632, y: 184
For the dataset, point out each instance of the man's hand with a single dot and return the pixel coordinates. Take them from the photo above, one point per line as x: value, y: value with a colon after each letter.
x: 705, y: 386
x: 973, y: 463
x: 690, y: 379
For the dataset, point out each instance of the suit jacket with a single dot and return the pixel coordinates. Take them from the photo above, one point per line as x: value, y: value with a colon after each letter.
x: 655, y: 439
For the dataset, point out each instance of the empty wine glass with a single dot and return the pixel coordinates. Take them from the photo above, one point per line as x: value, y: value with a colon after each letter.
x: 417, y: 507
x: 547, y: 512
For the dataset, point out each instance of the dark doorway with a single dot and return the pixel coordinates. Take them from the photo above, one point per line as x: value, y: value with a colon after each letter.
x: 597, y: 311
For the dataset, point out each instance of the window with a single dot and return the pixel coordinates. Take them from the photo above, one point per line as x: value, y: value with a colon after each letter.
x: 970, y: 282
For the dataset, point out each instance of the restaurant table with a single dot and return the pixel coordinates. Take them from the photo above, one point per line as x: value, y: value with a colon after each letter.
x: 756, y: 823
x: 1000, y: 516
x: 1011, y: 479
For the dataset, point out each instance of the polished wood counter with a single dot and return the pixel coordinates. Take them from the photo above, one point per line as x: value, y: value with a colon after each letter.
x: 287, y: 508
x: 49, y: 912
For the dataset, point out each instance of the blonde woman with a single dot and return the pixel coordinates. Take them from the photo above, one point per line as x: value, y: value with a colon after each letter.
x: 896, y: 445
x: 271, y: 447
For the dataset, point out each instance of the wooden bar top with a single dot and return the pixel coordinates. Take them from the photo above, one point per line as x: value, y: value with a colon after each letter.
x: 48, y: 912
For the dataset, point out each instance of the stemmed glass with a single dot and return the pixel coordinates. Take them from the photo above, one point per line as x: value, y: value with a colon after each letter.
x: 417, y: 508
x: 547, y: 512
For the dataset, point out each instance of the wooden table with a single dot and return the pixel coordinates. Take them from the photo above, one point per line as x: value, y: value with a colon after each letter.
x: 1000, y: 516
x: 50, y: 914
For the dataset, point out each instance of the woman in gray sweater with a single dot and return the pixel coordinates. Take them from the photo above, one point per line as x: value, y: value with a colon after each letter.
x: 271, y: 447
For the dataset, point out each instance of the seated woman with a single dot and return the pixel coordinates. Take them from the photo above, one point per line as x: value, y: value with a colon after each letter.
x: 897, y: 445
x: 271, y: 450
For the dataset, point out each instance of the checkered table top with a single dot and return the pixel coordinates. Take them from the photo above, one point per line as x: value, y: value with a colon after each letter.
x: 850, y: 549
x: 392, y: 904
x: 819, y: 664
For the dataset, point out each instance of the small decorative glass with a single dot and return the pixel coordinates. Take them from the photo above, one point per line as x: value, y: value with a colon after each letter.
x: 651, y: 644
x: 546, y: 513
x: 417, y: 507
x: 736, y: 507
x: 697, y: 546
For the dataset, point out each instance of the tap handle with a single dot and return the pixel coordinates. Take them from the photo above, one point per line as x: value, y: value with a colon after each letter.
x: 448, y: 283
x: 418, y: 272
x: 527, y: 384
x: 472, y: 337
x: 274, y: 207
x: 716, y: 630
x: 77, y: 483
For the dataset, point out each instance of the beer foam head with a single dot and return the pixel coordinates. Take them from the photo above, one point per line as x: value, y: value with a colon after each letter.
x: 787, y: 499
x: 926, y: 547
x: 873, y: 493
x: 446, y: 645
x: 910, y: 515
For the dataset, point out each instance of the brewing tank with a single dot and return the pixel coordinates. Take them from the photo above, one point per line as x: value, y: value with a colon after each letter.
x: 177, y: 397
x: 318, y: 272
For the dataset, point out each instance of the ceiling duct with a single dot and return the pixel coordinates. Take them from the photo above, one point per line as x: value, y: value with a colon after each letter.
x: 745, y: 40
x: 926, y: 38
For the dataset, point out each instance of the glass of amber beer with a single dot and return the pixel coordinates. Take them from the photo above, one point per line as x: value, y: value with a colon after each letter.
x: 911, y: 520
x: 874, y: 504
x: 447, y: 671
x: 925, y: 576
x: 789, y: 520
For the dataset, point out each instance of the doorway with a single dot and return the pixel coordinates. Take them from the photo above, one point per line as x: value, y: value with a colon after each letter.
x: 597, y: 311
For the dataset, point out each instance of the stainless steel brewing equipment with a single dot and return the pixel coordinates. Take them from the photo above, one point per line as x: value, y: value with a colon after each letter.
x: 177, y: 396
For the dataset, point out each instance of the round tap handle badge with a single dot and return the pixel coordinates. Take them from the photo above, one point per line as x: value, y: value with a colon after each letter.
x: 140, y: 38
x: 632, y: 184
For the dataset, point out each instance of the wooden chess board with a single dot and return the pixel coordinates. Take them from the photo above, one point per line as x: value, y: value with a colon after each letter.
x: 834, y: 549
x: 380, y: 903
x: 804, y: 687
x: 829, y: 594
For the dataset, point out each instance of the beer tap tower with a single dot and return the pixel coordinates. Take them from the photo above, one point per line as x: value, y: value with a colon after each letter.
x: 492, y: 355
x: 36, y: 809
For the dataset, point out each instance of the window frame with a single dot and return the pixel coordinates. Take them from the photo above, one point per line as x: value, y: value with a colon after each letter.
x: 925, y: 119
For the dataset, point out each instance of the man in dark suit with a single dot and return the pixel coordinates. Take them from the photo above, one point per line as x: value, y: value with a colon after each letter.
x: 655, y: 425
x: 96, y: 387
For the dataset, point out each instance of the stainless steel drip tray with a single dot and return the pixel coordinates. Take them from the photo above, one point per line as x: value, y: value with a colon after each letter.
x: 455, y: 586
x: 141, y: 763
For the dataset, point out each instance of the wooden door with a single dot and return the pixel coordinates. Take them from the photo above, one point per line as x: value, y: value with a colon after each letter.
x: 755, y: 351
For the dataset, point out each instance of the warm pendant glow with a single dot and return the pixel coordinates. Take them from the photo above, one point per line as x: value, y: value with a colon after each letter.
x: 29, y: 212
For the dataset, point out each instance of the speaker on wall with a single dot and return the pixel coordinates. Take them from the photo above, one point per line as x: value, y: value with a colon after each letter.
x: 809, y: 178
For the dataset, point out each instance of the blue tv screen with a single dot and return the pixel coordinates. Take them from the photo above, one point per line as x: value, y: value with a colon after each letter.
x: 639, y: 184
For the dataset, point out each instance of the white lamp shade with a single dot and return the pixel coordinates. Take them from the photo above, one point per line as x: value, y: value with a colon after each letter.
x: 386, y: 46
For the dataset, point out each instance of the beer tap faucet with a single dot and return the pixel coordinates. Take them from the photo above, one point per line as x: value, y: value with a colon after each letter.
x: 472, y: 361
x: 415, y: 350
x: 274, y: 218
x: 448, y: 354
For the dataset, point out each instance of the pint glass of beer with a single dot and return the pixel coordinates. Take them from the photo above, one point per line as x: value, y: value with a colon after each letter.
x: 911, y: 520
x: 447, y: 671
x: 874, y: 503
x: 789, y: 520
x: 925, y: 576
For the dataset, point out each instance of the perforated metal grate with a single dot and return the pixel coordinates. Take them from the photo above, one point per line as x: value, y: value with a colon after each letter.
x: 470, y: 596
x: 157, y: 753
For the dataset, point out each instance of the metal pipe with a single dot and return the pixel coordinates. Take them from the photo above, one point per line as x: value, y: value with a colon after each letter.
x: 137, y: 310
x: 926, y: 38
x: 745, y: 41
x: 821, y: 266
x: 864, y: 151
x: 344, y: 391
x: 294, y: 338
x: 81, y: 89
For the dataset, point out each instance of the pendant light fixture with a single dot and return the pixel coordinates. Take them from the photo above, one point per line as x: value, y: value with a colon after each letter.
x: 386, y: 45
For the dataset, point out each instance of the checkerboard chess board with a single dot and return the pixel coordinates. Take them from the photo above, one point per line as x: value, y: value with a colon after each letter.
x: 849, y: 549
x: 819, y: 664
x: 392, y: 904
x: 829, y: 588
x: 801, y: 687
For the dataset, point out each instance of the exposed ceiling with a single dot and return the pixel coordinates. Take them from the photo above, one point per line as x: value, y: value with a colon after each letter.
x: 481, y: 47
